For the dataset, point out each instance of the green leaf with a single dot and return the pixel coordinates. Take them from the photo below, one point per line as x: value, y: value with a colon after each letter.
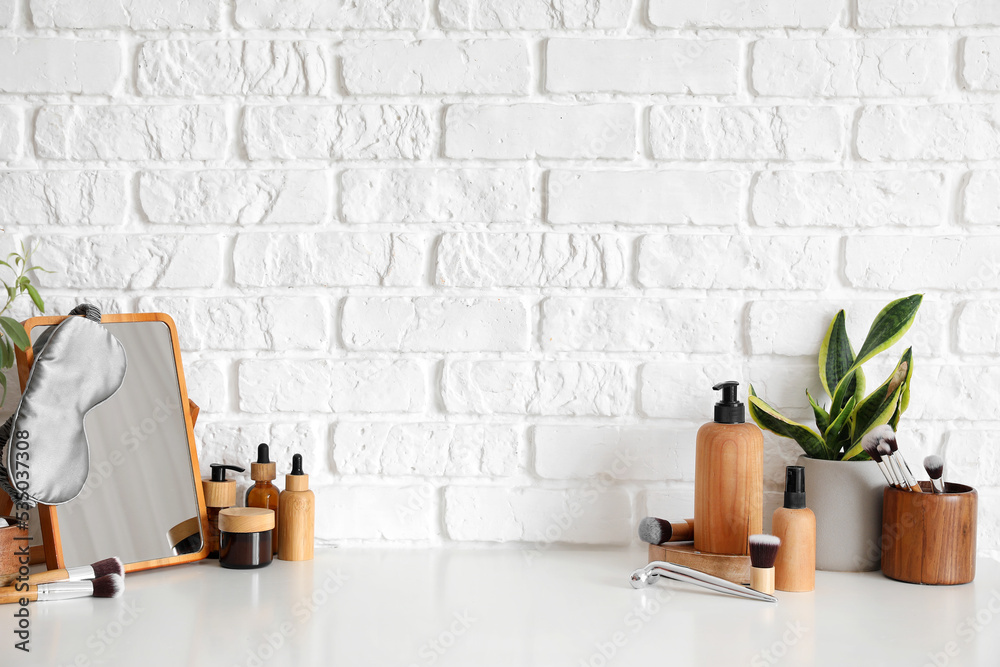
x: 822, y: 416
x: 835, y: 355
x: 904, y: 400
x: 16, y: 332
x: 839, y: 433
x: 768, y: 418
x: 36, y: 297
x: 889, y: 326
x: 847, y: 388
x: 4, y: 358
x: 879, y: 407
x: 3, y: 383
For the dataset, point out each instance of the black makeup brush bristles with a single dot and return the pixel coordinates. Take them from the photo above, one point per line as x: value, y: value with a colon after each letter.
x: 109, y: 586
x: 870, y: 443
x: 108, y: 566
x: 764, y: 550
x: 655, y: 531
x: 934, y: 465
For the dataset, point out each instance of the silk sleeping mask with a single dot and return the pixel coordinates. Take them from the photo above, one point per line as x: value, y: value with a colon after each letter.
x: 78, y: 365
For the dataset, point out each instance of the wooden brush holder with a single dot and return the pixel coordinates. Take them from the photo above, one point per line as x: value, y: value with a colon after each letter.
x: 8, y: 548
x: 930, y: 538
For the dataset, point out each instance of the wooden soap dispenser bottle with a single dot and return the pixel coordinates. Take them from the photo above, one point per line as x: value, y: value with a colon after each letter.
x: 729, y: 478
x: 795, y: 524
x: 220, y: 493
x: 263, y: 494
x: 296, y: 515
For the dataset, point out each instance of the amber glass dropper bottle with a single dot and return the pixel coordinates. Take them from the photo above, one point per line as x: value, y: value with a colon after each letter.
x: 263, y: 494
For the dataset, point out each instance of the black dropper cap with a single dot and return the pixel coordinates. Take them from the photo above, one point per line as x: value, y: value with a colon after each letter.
x: 262, y: 453
x: 795, y: 487
x: 729, y: 410
x: 219, y: 471
x: 296, y: 465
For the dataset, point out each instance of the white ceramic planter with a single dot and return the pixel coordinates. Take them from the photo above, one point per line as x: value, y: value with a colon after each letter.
x: 846, y: 497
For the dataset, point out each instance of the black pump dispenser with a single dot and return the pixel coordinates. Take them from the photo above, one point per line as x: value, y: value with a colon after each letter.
x: 729, y: 410
x: 219, y: 471
x: 262, y: 453
x: 296, y: 465
x: 795, y: 487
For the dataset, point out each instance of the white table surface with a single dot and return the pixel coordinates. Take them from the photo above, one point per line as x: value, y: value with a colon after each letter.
x: 503, y: 607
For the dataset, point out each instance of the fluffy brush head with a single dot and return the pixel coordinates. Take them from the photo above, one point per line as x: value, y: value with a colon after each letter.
x: 108, y: 566
x: 109, y: 586
x: 655, y: 531
x: 764, y: 550
x: 883, y: 450
x: 934, y: 465
x: 870, y: 444
x: 885, y: 434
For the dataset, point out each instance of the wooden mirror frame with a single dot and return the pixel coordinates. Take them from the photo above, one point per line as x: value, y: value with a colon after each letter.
x: 48, y: 517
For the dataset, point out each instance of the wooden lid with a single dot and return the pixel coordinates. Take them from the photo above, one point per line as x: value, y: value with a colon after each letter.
x: 219, y: 494
x: 260, y: 472
x: 246, y: 520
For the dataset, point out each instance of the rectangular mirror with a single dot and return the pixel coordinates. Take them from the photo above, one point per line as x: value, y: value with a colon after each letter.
x: 143, y: 500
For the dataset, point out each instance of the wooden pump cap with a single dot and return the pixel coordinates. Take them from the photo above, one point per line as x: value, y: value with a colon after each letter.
x: 219, y: 494
x: 219, y: 491
x: 246, y: 520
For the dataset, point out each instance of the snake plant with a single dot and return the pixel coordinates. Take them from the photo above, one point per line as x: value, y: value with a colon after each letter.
x: 17, y: 264
x: 851, y: 414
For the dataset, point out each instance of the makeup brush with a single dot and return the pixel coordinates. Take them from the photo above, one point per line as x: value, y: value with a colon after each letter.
x: 93, y: 571
x: 108, y: 586
x: 870, y: 444
x: 934, y: 465
x: 763, y: 552
x: 660, y: 531
x: 906, y: 475
x: 890, y: 465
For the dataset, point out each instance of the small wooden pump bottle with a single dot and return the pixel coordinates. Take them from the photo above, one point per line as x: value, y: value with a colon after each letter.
x: 220, y: 493
x: 729, y: 478
x: 795, y: 524
x: 263, y: 494
x: 296, y: 515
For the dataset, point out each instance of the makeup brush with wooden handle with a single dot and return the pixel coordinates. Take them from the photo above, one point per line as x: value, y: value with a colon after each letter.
x: 93, y: 571
x: 659, y: 531
x: 889, y: 437
x: 870, y: 443
x: 763, y: 553
x: 108, y: 586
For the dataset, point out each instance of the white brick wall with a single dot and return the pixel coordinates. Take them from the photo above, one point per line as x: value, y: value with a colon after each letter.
x: 481, y: 261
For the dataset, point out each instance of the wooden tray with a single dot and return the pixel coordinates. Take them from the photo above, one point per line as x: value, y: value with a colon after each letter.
x: 731, y: 568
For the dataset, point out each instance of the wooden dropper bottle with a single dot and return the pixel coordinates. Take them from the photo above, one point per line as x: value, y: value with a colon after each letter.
x: 263, y: 494
x: 296, y: 515
x: 795, y: 524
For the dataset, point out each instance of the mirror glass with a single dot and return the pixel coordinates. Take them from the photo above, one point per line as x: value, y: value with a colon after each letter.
x: 140, y: 502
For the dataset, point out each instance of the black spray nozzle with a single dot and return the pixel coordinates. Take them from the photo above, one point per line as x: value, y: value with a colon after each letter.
x: 262, y: 453
x: 297, y: 465
x: 795, y: 487
x: 219, y: 471
x: 729, y: 410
